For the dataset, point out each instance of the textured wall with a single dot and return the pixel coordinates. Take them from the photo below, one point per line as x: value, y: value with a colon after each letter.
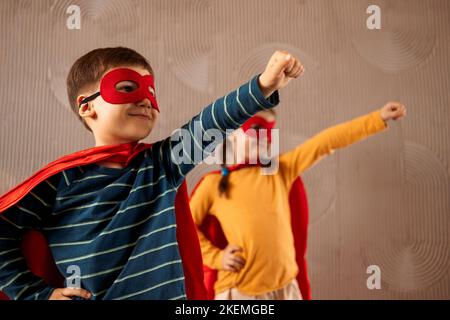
x: 384, y: 202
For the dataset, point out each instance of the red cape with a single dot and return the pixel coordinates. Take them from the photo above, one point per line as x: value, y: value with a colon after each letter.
x: 299, y: 221
x: 34, y: 245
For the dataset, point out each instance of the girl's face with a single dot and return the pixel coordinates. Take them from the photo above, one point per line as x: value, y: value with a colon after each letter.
x: 248, y: 148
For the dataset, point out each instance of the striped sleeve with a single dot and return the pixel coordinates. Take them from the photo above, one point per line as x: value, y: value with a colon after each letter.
x: 197, y: 139
x: 16, y: 280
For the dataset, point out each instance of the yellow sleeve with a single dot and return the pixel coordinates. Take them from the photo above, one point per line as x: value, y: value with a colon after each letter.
x: 294, y: 162
x: 200, y: 204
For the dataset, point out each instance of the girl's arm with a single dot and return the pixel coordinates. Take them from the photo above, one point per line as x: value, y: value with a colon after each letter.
x: 200, y: 204
x: 300, y: 159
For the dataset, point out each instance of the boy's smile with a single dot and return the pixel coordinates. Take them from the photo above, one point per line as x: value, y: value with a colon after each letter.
x: 142, y: 113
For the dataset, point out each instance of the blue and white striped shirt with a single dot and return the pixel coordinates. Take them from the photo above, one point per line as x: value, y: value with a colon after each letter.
x: 116, y: 226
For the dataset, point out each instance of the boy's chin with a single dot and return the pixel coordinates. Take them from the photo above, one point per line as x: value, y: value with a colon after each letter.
x: 142, y: 136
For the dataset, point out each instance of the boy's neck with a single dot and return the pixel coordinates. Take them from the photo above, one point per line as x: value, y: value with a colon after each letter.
x: 99, y: 142
x: 107, y: 164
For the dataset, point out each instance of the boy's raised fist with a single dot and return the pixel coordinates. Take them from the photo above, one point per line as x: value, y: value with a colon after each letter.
x: 281, y: 68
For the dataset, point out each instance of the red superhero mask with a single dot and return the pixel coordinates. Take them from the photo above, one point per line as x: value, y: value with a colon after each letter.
x: 124, y: 85
x: 256, y: 123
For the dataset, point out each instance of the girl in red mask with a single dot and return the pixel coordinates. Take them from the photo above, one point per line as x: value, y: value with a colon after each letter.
x: 252, y: 226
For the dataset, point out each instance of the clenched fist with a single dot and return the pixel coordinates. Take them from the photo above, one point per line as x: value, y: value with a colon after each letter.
x: 393, y: 110
x: 281, y: 69
x: 231, y: 261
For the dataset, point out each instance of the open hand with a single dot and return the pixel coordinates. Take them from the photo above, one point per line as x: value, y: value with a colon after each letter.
x: 68, y: 293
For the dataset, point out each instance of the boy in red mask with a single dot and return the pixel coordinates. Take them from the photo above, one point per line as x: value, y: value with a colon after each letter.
x: 117, y: 213
x: 252, y: 226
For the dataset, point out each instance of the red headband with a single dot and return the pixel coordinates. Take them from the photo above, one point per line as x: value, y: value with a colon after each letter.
x: 144, y: 88
x: 262, y: 123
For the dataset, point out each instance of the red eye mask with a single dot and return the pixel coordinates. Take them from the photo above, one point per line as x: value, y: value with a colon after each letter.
x: 259, y: 123
x: 141, y: 88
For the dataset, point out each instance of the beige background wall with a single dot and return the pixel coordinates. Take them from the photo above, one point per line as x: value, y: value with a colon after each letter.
x: 385, y: 201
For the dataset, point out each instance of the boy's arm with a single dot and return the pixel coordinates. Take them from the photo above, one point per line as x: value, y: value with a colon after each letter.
x: 200, y: 204
x: 295, y: 162
x: 16, y: 279
x: 191, y: 144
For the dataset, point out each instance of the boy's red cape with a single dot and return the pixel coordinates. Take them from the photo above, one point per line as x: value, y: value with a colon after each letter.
x: 34, y: 245
x: 299, y: 221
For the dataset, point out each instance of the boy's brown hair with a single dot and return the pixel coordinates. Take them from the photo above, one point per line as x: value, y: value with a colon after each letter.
x: 89, y: 69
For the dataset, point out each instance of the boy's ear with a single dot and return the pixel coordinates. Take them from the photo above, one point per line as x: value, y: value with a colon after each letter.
x: 86, y: 110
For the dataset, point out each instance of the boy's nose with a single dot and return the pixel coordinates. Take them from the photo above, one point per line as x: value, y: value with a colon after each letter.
x: 145, y: 103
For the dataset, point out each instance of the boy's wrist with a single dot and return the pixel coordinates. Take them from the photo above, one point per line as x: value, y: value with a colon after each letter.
x: 264, y: 99
x: 266, y: 90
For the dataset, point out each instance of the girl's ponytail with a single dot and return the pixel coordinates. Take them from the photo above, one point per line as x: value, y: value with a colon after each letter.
x: 224, y: 181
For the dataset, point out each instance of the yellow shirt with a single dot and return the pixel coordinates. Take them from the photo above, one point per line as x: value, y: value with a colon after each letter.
x: 256, y: 215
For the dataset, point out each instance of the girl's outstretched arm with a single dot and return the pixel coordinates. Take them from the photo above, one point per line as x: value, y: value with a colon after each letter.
x: 295, y: 162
